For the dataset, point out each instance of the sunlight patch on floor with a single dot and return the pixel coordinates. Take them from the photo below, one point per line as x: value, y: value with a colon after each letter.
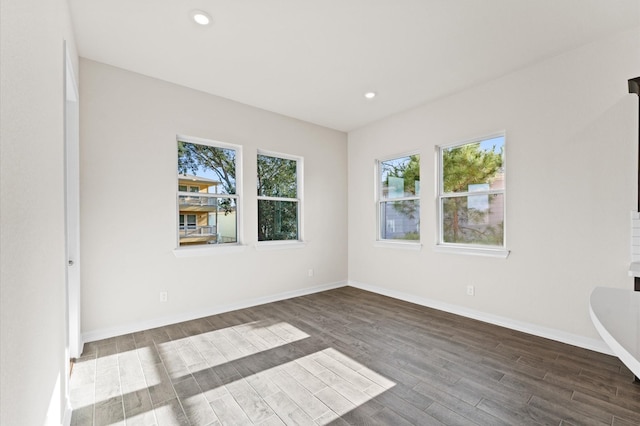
x: 319, y: 388
x: 205, y: 376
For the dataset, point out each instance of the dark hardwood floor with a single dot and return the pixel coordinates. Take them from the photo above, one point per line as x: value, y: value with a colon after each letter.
x: 347, y: 356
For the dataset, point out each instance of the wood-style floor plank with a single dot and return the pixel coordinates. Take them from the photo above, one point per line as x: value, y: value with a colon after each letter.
x: 347, y: 357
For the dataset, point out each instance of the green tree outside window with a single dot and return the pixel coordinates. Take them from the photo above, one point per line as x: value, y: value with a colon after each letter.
x: 472, y: 198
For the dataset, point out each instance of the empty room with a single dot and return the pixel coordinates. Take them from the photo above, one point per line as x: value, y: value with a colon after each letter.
x: 311, y: 213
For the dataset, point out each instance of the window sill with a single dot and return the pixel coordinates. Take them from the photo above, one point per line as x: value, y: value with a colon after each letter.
x: 634, y: 269
x: 472, y: 251
x: 210, y: 250
x: 280, y: 245
x: 400, y: 245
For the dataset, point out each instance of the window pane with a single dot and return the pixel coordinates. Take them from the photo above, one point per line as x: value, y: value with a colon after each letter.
x: 467, y: 167
x: 400, y: 220
x: 400, y: 177
x: 205, y: 168
x: 277, y: 220
x: 209, y: 220
x: 277, y: 177
x: 475, y: 219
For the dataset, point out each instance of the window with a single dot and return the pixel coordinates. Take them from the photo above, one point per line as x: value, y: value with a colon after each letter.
x: 471, y: 193
x: 188, y: 188
x: 207, y: 195
x: 399, y: 198
x: 279, y: 197
x: 191, y: 221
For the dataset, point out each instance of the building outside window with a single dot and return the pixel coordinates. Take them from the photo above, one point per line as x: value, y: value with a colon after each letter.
x: 207, y: 194
x: 399, y: 198
x: 279, y: 197
x: 471, y: 193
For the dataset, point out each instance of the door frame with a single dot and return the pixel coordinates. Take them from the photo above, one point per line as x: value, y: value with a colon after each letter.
x: 72, y: 208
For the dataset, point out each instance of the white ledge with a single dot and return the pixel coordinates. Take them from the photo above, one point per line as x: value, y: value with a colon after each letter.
x: 208, y: 250
x: 472, y: 251
x: 400, y: 245
x: 280, y: 245
x: 615, y: 313
x: 634, y: 269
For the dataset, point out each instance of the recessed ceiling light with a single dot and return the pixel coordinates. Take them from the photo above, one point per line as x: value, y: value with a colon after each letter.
x: 200, y: 17
x: 370, y: 95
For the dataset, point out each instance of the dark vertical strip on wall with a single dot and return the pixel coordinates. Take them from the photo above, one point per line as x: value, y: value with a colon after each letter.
x: 634, y: 87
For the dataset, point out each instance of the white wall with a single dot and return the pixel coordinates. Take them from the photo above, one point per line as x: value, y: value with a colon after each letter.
x: 32, y: 238
x: 571, y: 148
x: 129, y: 124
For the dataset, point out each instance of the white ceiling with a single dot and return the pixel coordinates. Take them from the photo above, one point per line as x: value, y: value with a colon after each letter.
x: 313, y: 60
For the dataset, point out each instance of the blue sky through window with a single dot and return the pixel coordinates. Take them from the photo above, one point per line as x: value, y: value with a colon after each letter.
x: 493, y: 144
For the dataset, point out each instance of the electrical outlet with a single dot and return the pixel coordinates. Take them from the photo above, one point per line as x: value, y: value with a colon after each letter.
x: 471, y: 290
x: 310, y: 273
x: 164, y: 296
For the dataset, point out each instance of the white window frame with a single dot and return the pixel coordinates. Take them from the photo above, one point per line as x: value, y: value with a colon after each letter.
x: 210, y: 249
x: 379, y: 199
x: 285, y: 244
x: 469, y: 249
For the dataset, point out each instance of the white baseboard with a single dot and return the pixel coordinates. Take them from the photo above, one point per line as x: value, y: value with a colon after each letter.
x: 536, y: 330
x: 92, y: 336
x: 66, y: 418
